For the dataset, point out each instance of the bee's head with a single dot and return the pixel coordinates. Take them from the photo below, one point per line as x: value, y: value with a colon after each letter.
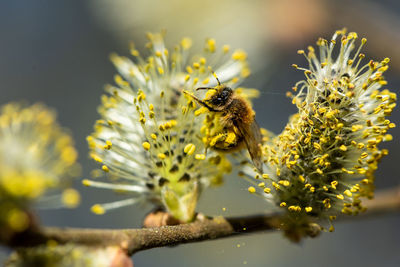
x: 219, y: 97
x: 222, y: 97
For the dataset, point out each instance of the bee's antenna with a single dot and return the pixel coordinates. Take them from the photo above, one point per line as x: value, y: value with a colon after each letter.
x: 215, y: 75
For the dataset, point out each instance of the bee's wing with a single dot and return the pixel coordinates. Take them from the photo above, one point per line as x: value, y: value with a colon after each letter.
x: 253, y: 140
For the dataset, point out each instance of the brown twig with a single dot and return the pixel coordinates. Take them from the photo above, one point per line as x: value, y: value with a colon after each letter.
x: 134, y: 240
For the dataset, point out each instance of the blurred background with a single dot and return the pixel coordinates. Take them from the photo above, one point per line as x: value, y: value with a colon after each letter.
x: 56, y: 52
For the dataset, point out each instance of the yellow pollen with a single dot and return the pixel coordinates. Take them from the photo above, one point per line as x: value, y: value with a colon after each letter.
x: 284, y: 182
x: 108, y: 145
x: 226, y: 48
x: 251, y: 189
x: 317, y: 146
x: 347, y: 193
x: 267, y: 190
x: 161, y: 156
x: 265, y: 176
x: 134, y: 52
x: 70, y: 198
x: 189, y: 69
x: 189, y: 149
x: 186, y: 43
x: 340, y: 196
x: 355, y: 128
x: 121, y: 82
x: 388, y: 137
x: 97, y: 209
x: 239, y: 55
x: 200, y: 156
x: 146, y: 145
x: 96, y: 157
x: 276, y: 186
x: 86, y: 182
x: 292, y: 208
x: 105, y: 168
x: 211, y: 45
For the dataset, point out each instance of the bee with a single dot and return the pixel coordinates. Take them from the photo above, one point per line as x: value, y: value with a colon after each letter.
x: 236, y: 124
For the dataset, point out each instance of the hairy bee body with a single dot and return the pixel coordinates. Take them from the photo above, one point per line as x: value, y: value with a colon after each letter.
x: 231, y: 124
x: 237, y: 114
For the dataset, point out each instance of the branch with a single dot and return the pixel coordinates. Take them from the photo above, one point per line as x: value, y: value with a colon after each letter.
x: 134, y: 240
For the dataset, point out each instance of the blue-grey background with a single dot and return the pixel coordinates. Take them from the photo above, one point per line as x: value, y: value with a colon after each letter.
x: 56, y: 52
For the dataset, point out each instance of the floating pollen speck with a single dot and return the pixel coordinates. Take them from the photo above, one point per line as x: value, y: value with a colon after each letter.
x: 148, y: 139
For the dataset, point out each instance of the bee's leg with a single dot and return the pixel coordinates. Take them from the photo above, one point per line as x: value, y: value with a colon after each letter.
x: 201, y: 102
x: 217, y: 139
x: 230, y: 139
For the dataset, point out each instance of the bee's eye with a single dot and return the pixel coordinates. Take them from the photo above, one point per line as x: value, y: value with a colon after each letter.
x: 219, y: 99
